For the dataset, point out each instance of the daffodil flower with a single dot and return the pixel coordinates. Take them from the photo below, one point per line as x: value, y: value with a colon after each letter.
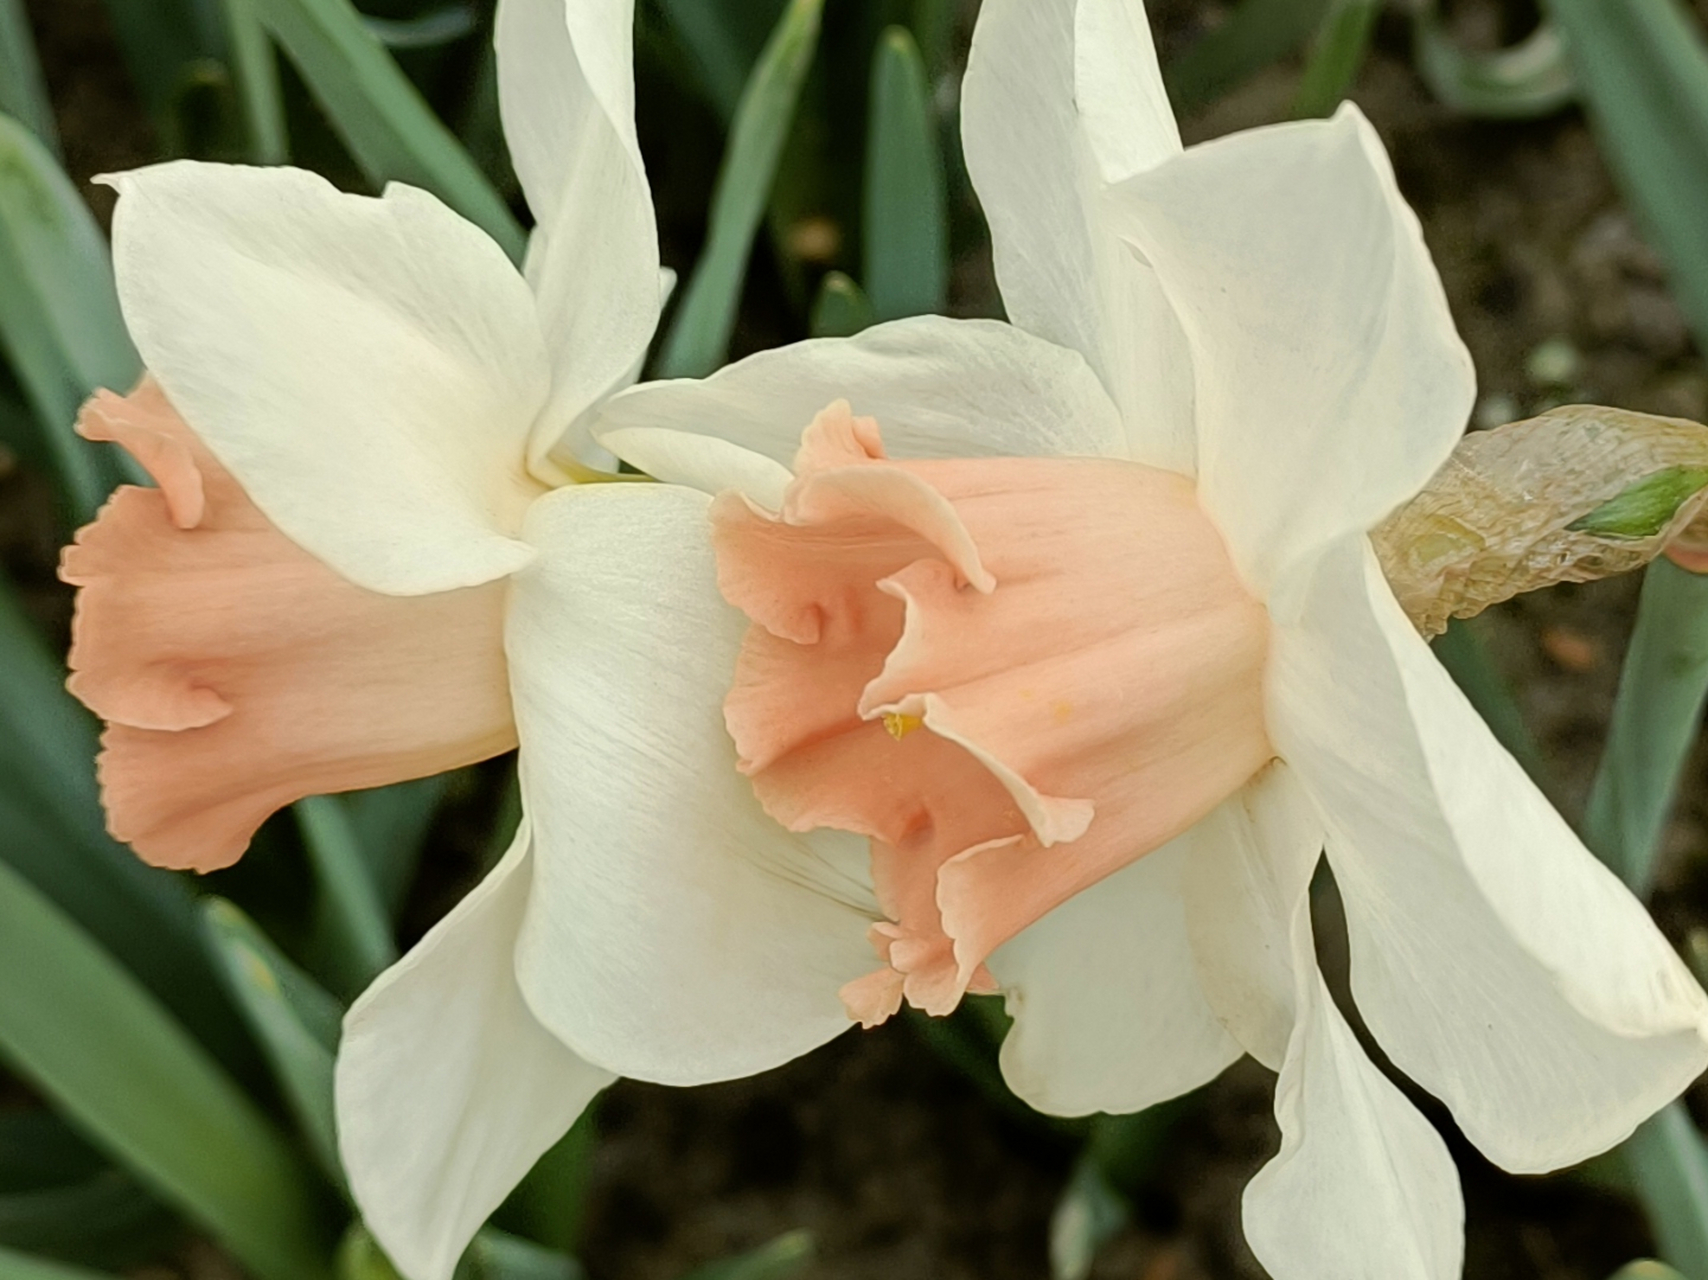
x: 1079, y: 624
x: 363, y: 563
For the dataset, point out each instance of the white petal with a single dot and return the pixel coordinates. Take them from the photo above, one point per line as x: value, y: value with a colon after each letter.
x: 448, y: 1088
x: 938, y: 388
x: 1500, y: 965
x: 676, y: 933
x: 1108, y: 1012
x: 1061, y: 97
x: 367, y: 368
x: 706, y: 463
x: 1330, y: 382
x: 1249, y: 869
x: 566, y: 91
x: 1363, y: 1187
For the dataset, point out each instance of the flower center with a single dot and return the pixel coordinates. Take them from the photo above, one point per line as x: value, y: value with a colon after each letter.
x: 1072, y: 638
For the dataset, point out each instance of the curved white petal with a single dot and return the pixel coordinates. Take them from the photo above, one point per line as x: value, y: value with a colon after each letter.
x: 566, y: 92
x: 1330, y: 382
x: 1108, y: 1012
x: 1060, y: 98
x: 448, y: 1088
x: 1250, y: 867
x: 367, y: 368
x: 938, y: 388
x: 1500, y: 965
x: 675, y: 933
x: 1363, y: 1187
x: 707, y: 463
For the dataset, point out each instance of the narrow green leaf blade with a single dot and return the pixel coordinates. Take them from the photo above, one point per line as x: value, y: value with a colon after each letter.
x: 91, y: 1039
x: 391, y: 825
x: 841, y: 309
x: 699, y: 337
x: 1530, y: 80
x: 782, y: 1257
x: 23, y: 92
x: 295, y: 1021
x: 722, y: 39
x: 1336, y: 58
x: 352, y: 927
x: 1670, y: 1167
x: 906, y: 217
x: 391, y: 131
x: 1257, y: 33
x: 255, y: 69
x: 1656, y: 716
x: 1088, y: 1215
x: 23, y: 1266
x: 1646, y: 1269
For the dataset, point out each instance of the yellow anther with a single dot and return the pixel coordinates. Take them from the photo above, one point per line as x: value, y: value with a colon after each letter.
x: 901, y: 725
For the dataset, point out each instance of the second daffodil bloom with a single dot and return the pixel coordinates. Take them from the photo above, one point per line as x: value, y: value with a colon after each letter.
x: 1079, y: 625
x: 363, y: 563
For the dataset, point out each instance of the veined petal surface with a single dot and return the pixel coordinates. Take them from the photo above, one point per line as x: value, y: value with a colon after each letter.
x: 675, y: 933
x: 566, y: 92
x: 1060, y: 98
x: 1109, y: 1014
x: 448, y: 1087
x: 939, y: 388
x: 1330, y: 382
x: 1498, y: 963
x: 368, y: 369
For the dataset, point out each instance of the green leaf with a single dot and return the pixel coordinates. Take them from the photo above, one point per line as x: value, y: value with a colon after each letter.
x: 699, y: 336
x: 723, y: 39
x: 295, y: 1021
x: 352, y: 928
x: 59, y: 311
x: 391, y: 825
x: 22, y: 1266
x: 1461, y: 650
x: 1656, y: 717
x: 51, y: 831
x: 441, y: 26
x: 784, y: 1256
x: 104, y: 1219
x: 166, y: 45
x: 497, y: 1255
x: 1670, y: 1167
x: 86, y: 1034
x: 841, y: 309
x: 1530, y: 80
x: 1089, y: 1214
x: 382, y: 119
x: 549, y: 1204
x: 1645, y: 508
x: 255, y: 69
x: 23, y: 93
x: 906, y: 218
x: 1336, y: 57
x: 1256, y: 34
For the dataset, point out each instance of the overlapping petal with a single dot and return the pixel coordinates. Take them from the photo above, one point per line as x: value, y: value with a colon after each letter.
x: 1330, y: 382
x: 1109, y: 1013
x: 1500, y: 965
x: 367, y: 368
x: 675, y: 933
x: 566, y: 91
x: 1061, y: 97
x: 938, y: 388
x: 448, y: 1087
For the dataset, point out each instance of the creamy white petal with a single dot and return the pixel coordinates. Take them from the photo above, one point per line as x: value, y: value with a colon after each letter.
x: 1500, y: 965
x: 1330, y: 382
x: 707, y: 463
x: 1249, y: 869
x: 1060, y: 97
x: 1363, y: 1188
x: 938, y: 388
x: 367, y: 368
x: 448, y: 1087
x: 566, y: 92
x: 1108, y: 1012
x: 675, y: 932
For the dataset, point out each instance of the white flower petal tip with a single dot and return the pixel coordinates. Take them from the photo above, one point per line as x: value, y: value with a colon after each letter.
x: 1324, y: 358
x: 368, y: 369
x: 1497, y: 962
x: 700, y: 462
x: 675, y: 933
x: 448, y: 1089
